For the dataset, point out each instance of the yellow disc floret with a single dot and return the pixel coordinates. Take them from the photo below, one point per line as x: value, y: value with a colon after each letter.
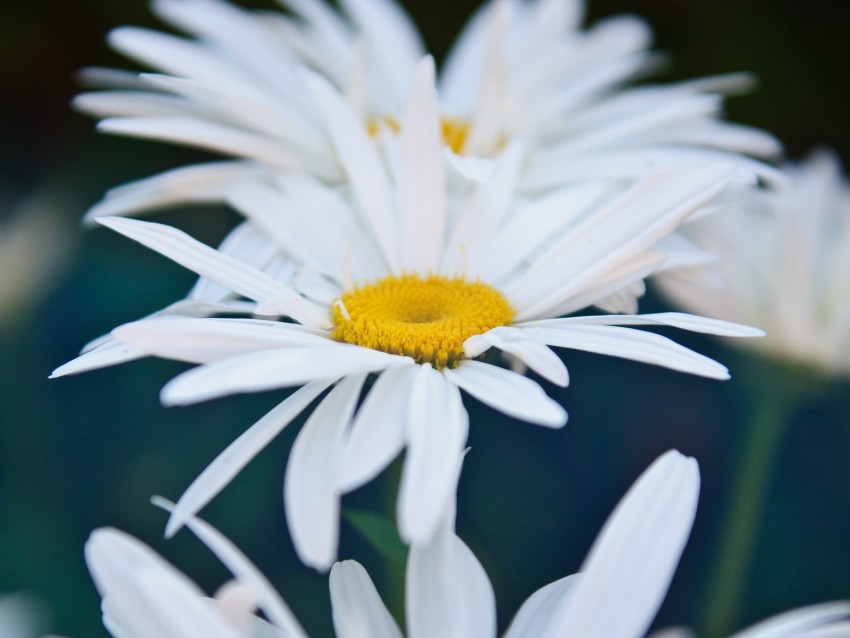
x: 454, y: 131
x: 427, y: 319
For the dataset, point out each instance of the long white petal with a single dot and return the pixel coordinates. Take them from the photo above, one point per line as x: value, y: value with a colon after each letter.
x: 268, y: 369
x: 422, y: 188
x: 534, y: 354
x: 311, y: 496
x: 357, y: 608
x: 207, y: 340
x: 378, y: 432
x: 238, y: 454
x: 533, y: 618
x: 804, y: 622
x: 437, y: 427
x: 209, y: 263
x: 508, y: 392
x: 273, y: 606
x: 448, y: 593
x: 628, y: 343
x: 628, y: 570
x: 681, y: 320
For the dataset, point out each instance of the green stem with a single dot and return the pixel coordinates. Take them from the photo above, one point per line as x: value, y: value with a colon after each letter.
x: 774, y: 409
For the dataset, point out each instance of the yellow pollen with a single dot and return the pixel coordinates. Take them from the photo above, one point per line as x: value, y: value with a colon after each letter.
x: 427, y: 319
x: 454, y: 131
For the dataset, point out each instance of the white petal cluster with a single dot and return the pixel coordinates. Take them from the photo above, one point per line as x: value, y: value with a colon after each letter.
x: 306, y: 243
x: 615, y: 594
x: 786, y: 259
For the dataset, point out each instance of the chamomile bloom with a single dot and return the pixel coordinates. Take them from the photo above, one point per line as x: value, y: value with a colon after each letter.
x: 786, y: 259
x: 616, y: 594
x: 400, y: 280
x: 519, y: 72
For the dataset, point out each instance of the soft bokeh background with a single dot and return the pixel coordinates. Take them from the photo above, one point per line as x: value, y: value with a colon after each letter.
x: 83, y: 452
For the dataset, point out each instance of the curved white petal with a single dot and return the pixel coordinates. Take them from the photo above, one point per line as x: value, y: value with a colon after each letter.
x: 448, y: 593
x: 627, y: 343
x: 268, y: 369
x: 681, y: 320
x: 357, y: 608
x: 806, y: 622
x: 437, y: 427
x: 379, y: 430
x: 238, y: 454
x: 540, y: 609
x: 507, y: 392
x: 625, y: 576
x: 311, y: 496
x: 534, y: 354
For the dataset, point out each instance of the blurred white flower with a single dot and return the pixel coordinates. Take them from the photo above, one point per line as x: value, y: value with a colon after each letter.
x: 21, y: 616
x: 785, y: 255
x: 616, y: 594
x: 33, y: 246
x: 404, y: 281
x: 522, y: 75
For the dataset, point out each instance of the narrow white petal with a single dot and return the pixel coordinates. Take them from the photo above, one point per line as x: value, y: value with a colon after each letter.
x: 363, y: 165
x: 207, y: 340
x: 109, y: 353
x: 220, y: 268
x: 627, y: 343
x: 804, y: 622
x: 310, y: 493
x: 508, y: 392
x: 540, y: 609
x: 238, y: 454
x: 269, y: 369
x: 448, y: 593
x: 626, y: 575
x: 437, y: 427
x: 681, y: 320
x: 357, y: 608
x: 379, y: 431
x: 534, y: 354
x: 422, y: 188
x: 273, y: 606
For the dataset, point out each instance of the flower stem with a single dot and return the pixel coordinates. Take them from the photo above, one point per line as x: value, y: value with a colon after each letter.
x: 775, y: 399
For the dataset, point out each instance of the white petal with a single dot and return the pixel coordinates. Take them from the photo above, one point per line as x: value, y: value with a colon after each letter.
x: 110, y: 353
x: 627, y: 343
x: 422, y: 187
x: 268, y: 369
x: 534, y: 354
x: 379, y: 430
x: 437, y: 427
x: 207, y: 340
x: 507, y: 392
x: 311, y: 496
x: 273, y: 606
x: 362, y: 164
x: 626, y: 575
x: 238, y: 454
x: 448, y: 593
x: 357, y: 609
x: 225, y: 270
x: 681, y: 320
x: 540, y: 609
x: 803, y: 622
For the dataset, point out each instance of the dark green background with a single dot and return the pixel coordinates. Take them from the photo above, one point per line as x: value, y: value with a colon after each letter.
x: 87, y: 451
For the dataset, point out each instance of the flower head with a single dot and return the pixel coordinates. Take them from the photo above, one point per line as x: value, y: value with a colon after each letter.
x: 786, y: 260
x: 403, y: 280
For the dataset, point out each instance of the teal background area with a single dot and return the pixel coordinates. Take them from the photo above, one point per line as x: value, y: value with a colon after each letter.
x: 88, y: 451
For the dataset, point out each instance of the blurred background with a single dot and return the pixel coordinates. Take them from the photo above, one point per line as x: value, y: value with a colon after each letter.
x: 88, y: 451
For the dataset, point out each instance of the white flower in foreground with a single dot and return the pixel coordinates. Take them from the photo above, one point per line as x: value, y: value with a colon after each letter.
x: 615, y: 595
x: 521, y: 73
x: 401, y: 281
x: 786, y: 260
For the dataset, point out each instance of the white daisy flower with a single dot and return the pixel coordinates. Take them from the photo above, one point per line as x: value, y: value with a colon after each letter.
x: 401, y: 281
x: 786, y: 260
x: 616, y: 594
x: 520, y: 72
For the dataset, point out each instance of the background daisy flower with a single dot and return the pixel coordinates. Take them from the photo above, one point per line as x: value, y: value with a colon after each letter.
x: 403, y: 281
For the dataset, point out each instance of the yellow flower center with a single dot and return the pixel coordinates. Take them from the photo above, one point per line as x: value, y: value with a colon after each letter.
x: 427, y: 319
x: 454, y: 131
